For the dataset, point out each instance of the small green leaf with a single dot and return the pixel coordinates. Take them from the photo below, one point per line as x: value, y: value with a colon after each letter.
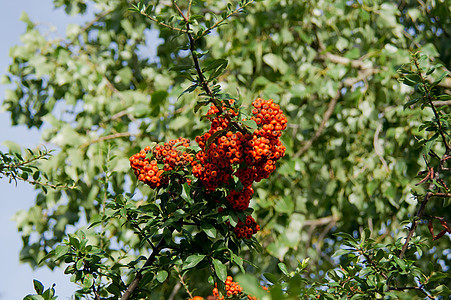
x: 209, y: 229
x: 38, y: 286
x: 188, y: 90
x: 220, y: 269
x: 250, y: 123
x: 88, y: 281
x: 192, y: 261
x: 162, y: 275
x: 283, y: 268
x: 61, y: 250
x: 440, y: 79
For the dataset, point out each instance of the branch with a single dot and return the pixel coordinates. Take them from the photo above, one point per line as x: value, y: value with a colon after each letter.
x: 441, y: 103
x: 375, y: 267
x: 175, y: 289
x: 448, y: 195
x: 320, y: 221
x: 182, y: 281
x: 108, y: 137
x: 322, y: 126
x: 365, y: 71
x: 418, y: 216
x: 139, y: 275
x: 96, y: 293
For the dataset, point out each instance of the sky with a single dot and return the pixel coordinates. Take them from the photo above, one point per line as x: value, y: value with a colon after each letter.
x: 16, y: 280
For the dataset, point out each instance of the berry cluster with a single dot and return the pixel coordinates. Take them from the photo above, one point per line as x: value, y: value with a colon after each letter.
x: 232, y: 291
x: 240, y: 200
x: 225, y: 153
x: 247, y: 229
x: 220, y: 151
x: 270, y: 117
x: 170, y: 158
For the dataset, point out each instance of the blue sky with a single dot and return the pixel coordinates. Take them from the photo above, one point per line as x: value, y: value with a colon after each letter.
x: 16, y: 280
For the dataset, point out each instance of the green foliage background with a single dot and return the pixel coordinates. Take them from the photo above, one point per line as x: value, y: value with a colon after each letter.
x: 351, y: 161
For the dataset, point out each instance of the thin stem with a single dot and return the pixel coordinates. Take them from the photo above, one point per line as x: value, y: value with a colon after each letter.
x: 203, y: 82
x: 53, y: 186
x: 26, y: 162
x: 182, y: 281
x: 189, y: 8
x: 96, y: 293
x: 161, y: 23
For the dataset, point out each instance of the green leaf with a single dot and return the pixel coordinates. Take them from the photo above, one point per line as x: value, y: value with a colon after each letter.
x: 61, y: 250
x: 250, y: 124
x: 215, y: 73
x: 251, y: 286
x: 220, y: 269
x: 199, y: 104
x: 162, y: 275
x: 88, y: 281
x: 215, y: 64
x: 192, y: 261
x: 34, y: 297
x: 209, y: 229
x: 38, y: 286
x: 438, y: 80
x: 188, y: 90
x: 213, y: 137
x: 341, y: 252
x: 283, y: 268
x: 275, y: 62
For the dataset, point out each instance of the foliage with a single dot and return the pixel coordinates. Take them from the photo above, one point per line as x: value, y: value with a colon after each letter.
x: 339, y: 70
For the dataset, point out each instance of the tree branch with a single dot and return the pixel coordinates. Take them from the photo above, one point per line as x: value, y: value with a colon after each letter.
x: 139, y: 275
x: 322, y: 126
x: 107, y: 137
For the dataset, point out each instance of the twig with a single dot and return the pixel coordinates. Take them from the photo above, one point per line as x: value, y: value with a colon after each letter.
x: 418, y: 216
x: 26, y: 162
x: 53, y: 186
x: 228, y: 16
x: 417, y: 288
x: 203, y: 81
x: 441, y: 103
x: 375, y: 267
x: 441, y: 195
x: 161, y: 23
x: 429, y: 98
x: 320, y: 221
x: 182, y: 280
x: 96, y: 293
x: 139, y: 274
